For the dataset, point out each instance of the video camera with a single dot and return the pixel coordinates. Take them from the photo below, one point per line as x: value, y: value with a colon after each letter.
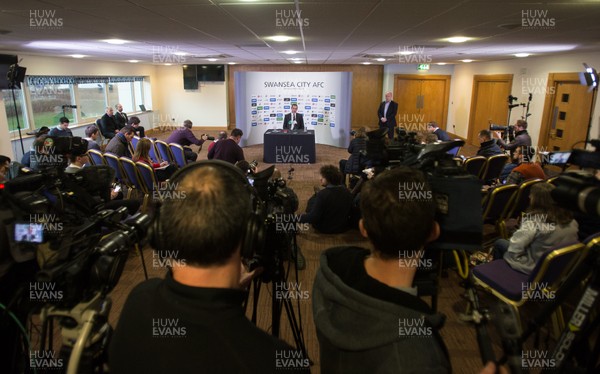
x: 578, y: 189
x: 56, y: 222
x: 456, y: 192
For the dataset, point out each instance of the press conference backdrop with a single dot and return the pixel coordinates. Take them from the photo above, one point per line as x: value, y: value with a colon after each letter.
x: 264, y: 98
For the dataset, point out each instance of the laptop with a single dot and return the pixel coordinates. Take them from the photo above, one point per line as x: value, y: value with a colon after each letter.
x: 142, y: 107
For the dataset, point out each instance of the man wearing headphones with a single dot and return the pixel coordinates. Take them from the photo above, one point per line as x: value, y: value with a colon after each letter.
x: 192, y: 321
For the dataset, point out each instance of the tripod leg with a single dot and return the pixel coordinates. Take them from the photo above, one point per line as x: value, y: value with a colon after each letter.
x: 139, y: 251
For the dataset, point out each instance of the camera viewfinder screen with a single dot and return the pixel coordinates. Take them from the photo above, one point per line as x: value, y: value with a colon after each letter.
x: 29, y: 233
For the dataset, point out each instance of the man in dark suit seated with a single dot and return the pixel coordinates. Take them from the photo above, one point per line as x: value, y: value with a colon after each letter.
x: 387, y: 114
x: 293, y: 121
x: 120, y: 116
x: 488, y: 146
x: 442, y: 135
x: 109, y: 127
x: 329, y: 210
x: 192, y: 321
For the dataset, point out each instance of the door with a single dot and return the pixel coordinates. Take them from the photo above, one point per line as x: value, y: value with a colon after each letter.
x: 570, y: 116
x: 489, y: 104
x: 421, y: 99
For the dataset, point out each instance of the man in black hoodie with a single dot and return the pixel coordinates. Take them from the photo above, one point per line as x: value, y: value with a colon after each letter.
x: 366, y: 310
x: 488, y: 146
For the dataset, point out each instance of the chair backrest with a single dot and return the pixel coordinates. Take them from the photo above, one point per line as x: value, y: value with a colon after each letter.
x: 554, y: 264
x: 454, y: 151
x: 132, y: 173
x: 112, y: 160
x: 551, y: 180
x: 101, y: 140
x: 496, y: 202
x: 164, y: 151
x: 96, y: 157
x: 134, y: 142
x: 474, y: 165
x: 493, y: 167
x: 148, y: 177
x: 178, y: 154
x: 152, y: 153
x: 520, y: 200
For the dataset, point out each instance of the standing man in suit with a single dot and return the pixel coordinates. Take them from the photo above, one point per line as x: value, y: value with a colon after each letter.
x: 387, y: 114
x: 293, y: 121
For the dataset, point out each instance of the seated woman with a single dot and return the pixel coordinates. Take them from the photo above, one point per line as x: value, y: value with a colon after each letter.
x: 352, y: 164
x: 543, y: 226
x: 142, y: 154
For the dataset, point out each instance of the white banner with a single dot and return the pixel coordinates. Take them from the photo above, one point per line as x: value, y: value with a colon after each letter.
x: 323, y: 98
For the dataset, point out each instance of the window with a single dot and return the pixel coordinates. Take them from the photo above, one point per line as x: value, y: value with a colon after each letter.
x: 92, y: 99
x: 47, y: 102
x: 121, y: 93
x: 10, y: 109
x: 138, y: 90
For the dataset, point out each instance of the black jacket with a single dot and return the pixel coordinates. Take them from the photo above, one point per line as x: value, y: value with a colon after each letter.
x: 353, y: 164
x: 121, y: 118
x: 299, y: 122
x: 390, y: 115
x: 174, y: 328
x: 489, y: 148
x: 329, y: 210
x: 108, y: 126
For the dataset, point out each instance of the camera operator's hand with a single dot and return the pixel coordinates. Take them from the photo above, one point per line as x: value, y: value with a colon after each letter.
x: 490, y: 368
x: 497, y: 134
x: 383, y: 119
x: 247, y: 276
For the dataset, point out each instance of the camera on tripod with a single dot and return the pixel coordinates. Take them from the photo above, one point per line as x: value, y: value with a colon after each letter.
x: 56, y: 222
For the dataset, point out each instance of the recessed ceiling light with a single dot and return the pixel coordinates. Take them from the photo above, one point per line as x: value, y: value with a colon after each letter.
x: 212, y: 59
x: 458, y: 39
x: 180, y: 53
x: 298, y: 62
x: 78, y: 56
x: 295, y: 59
x: 441, y: 63
x: 467, y: 60
x: 280, y: 38
x: 231, y: 63
x: 168, y: 64
x: 522, y: 55
x: 406, y: 53
x: 115, y: 41
x: 366, y: 63
x: 380, y: 59
x: 134, y: 61
x: 290, y: 52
